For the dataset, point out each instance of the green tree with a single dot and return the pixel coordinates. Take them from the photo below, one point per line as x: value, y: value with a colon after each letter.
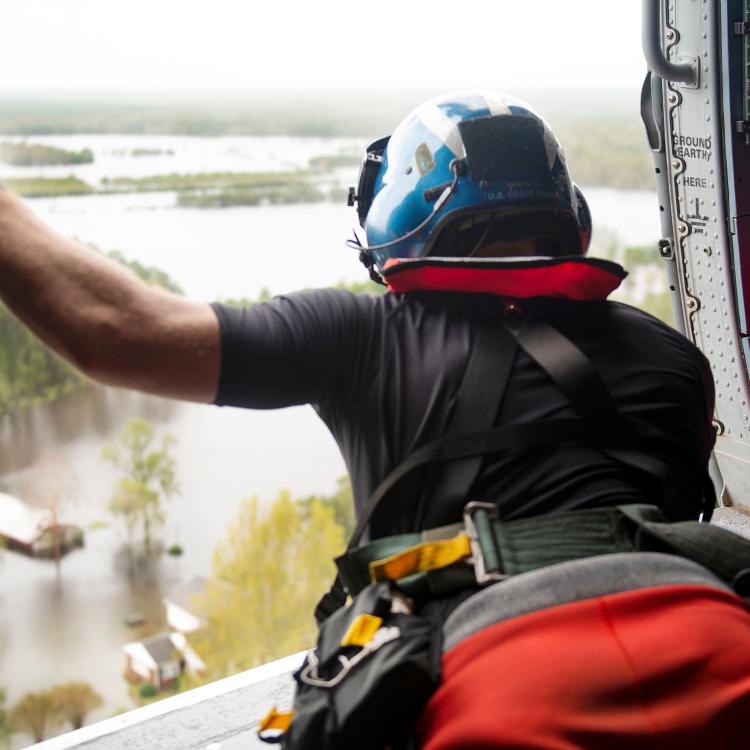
x: 641, y: 255
x: 75, y: 700
x: 36, y: 714
x: 6, y: 728
x: 267, y: 577
x: 341, y: 502
x: 30, y: 373
x: 147, y: 479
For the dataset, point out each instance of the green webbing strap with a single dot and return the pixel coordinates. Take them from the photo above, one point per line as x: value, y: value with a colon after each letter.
x: 528, y: 544
x: 724, y: 553
x: 624, y: 432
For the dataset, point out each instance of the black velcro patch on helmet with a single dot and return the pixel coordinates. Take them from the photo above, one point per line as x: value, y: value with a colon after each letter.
x: 505, y: 146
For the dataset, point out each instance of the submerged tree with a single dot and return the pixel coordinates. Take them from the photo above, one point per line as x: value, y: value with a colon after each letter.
x: 53, y: 484
x: 267, y: 577
x: 36, y: 714
x: 75, y: 700
x: 147, y: 479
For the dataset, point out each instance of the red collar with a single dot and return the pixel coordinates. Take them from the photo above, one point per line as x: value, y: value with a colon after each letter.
x: 569, y: 277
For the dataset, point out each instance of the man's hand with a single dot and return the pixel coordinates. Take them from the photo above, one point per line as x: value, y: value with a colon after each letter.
x: 99, y: 316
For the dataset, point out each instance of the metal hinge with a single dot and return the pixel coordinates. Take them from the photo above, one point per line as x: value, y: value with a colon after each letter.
x: 741, y: 28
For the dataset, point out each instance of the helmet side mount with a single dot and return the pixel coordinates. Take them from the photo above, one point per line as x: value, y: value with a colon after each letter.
x: 366, y: 254
x: 368, y: 175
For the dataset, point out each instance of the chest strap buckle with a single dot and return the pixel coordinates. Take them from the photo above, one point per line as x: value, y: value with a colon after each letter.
x: 485, y: 554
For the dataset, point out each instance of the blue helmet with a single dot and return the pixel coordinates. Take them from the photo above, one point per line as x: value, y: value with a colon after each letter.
x: 460, y: 160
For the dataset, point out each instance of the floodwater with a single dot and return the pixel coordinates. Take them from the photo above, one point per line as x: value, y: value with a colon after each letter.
x: 53, y: 630
x: 58, y: 629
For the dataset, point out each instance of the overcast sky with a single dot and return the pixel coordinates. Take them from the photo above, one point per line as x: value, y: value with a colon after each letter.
x: 295, y: 44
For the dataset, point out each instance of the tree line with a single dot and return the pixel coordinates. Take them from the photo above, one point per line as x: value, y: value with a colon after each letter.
x: 26, y: 154
x: 37, y: 714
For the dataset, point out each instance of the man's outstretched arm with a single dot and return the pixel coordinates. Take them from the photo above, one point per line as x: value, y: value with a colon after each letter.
x: 102, y: 318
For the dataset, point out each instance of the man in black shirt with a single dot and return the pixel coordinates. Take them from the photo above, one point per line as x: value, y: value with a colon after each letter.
x: 383, y: 374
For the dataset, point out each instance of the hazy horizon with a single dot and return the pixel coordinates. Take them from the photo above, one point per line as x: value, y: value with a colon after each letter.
x: 331, y: 45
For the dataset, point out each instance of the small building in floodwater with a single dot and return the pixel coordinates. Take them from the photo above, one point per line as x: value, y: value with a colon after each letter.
x: 161, y: 660
x: 33, y: 531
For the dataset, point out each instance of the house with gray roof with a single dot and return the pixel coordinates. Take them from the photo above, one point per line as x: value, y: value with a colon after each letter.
x: 161, y: 660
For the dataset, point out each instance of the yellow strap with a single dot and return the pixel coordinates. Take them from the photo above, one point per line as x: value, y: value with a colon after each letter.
x: 275, y: 720
x: 362, y: 629
x: 420, y: 558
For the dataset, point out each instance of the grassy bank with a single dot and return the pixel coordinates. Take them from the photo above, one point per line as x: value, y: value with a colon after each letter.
x: 204, y: 190
x: 46, y: 187
x: 201, y: 181
x: 225, y: 189
x: 294, y: 192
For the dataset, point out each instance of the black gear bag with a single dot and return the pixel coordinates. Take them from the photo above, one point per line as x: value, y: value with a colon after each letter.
x: 373, y: 669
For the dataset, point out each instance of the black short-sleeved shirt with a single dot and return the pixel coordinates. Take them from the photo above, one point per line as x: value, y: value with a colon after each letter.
x: 383, y: 373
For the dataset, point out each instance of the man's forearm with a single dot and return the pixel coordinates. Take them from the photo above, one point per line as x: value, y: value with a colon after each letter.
x: 65, y: 292
x: 99, y: 315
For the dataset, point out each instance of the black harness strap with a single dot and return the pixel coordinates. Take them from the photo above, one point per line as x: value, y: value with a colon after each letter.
x: 581, y: 382
x: 477, y: 403
x: 620, y: 432
x: 569, y: 368
x: 584, y: 387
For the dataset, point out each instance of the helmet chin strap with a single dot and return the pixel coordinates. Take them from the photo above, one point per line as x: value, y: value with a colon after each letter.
x: 365, y: 253
x: 365, y: 259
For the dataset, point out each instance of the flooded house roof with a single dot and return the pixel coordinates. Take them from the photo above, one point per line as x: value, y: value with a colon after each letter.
x: 20, y: 522
x: 161, y: 648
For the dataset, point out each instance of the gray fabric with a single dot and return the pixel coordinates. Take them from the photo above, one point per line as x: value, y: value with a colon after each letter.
x: 570, y: 582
